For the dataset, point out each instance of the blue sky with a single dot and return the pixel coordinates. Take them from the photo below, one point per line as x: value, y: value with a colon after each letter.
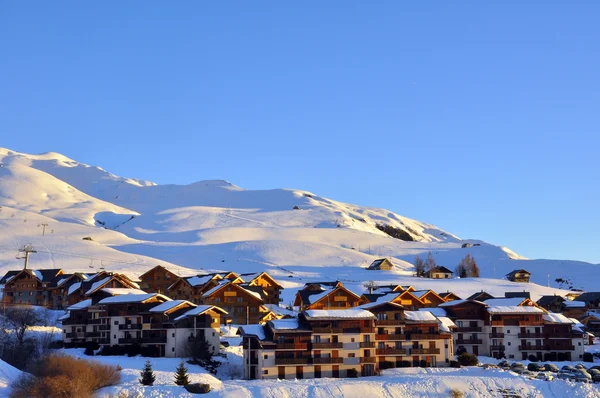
x: 480, y: 118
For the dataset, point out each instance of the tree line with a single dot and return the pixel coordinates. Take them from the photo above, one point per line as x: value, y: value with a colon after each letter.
x: 467, y: 268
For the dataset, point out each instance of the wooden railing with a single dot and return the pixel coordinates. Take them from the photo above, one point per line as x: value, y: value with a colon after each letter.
x: 469, y: 341
x: 368, y: 360
x: 531, y: 335
x: 466, y: 329
x: 390, y: 337
x: 531, y: 347
x: 292, y: 346
x: 496, y: 335
x: 320, y: 346
x: 424, y: 351
x: 322, y: 360
x: 391, y: 351
x: 327, y: 330
x: 389, y: 322
x: 292, y: 361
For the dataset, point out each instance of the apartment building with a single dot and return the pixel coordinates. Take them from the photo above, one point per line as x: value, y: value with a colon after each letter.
x: 28, y: 286
x: 163, y: 327
x: 514, y: 328
x: 345, y: 343
x: 80, y: 291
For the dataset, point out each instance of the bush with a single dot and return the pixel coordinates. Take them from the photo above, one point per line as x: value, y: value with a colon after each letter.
x: 466, y: 359
x: 456, y: 393
x: 352, y: 373
x: 397, y: 233
x: 64, y: 376
x: 197, y: 388
x: 532, y: 358
x: 89, y: 351
x: 423, y: 363
x: 386, y: 365
x: 454, y: 364
x: 588, y: 357
x: 404, y: 364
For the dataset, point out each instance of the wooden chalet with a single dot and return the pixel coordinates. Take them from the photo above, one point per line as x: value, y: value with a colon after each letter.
x: 449, y: 296
x: 243, y: 306
x: 29, y: 286
x: 551, y: 303
x: 382, y: 264
x: 439, y: 273
x: 519, y: 275
x: 157, y: 280
x: 326, y: 295
x: 269, y: 285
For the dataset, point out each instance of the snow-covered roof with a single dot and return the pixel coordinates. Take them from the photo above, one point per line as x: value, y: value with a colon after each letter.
x: 117, y: 291
x: 574, y: 304
x: 73, y: 288
x: 435, y: 311
x: 168, y: 305
x: 388, y: 297
x: 38, y: 274
x: 97, y: 284
x: 369, y: 306
x: 81, y: 305
x: 65, y: 316
x: 420, y: 316
x: 131, y: 298
x: 226, y: 282
x: 285, y: 324
x: 356, y: 313
x: 446, y: 324
x: 457, y: 302
x: 551, y: 317
x: 200, y: 310
x: 253, y: 330
x: 199, y: 280
x: 514, y: 301
x: 514, y: 309
x: 313, y: 298
x: 420, y: 293
x: 279, y: 310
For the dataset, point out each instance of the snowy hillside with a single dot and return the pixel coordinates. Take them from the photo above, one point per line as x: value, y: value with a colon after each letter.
x: 296, y: 235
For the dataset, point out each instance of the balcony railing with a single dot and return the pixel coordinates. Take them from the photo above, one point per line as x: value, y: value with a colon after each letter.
x: 104, y: 341
x: 531, y: 347
x: 368, y: 359
x: 466, y: 329
x: 389, y: 322
x: 328, y: 330
x: 554, y: 347
x: 105, y: 326
x: 390, y: 337
x: 320, y: 346
x: 468, y: 341
x: 494, y: 335
x: 292, y: 361
x: 497, y: 347
x: 131, y: 326
x: 322, y: 360
x: 391, y: 351
x: 424, y: 351
x: 292, y: 346
x: 94, y: 321
x: 367, y: 344
x: 422, y: 336
x: 531, y: 335
x: 92, y: 334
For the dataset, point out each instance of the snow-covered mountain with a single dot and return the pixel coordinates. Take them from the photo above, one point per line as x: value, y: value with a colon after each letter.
x: 214, y: 225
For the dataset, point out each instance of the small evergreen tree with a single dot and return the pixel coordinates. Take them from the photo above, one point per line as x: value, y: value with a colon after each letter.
x: 181, y: 375
x: 473, y: 269
x: 147, y: 374
x: 419, y: 267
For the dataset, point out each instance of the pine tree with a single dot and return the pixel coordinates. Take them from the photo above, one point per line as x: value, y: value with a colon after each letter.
x: 472, y: 268
x: 419, y: 267
x: 461, y: 269
x: 181, y: 375
x: 147, y: 374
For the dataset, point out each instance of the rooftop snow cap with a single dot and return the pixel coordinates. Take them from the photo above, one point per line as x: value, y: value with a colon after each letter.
x: 357, y: 313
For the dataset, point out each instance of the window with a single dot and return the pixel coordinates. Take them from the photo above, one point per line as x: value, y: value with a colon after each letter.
x: 351, y: 355
x: 508, y: 343
x: 116, y: 322
x: 352, y: 340
x: 265, y: 372
x: 173, y: 335
x: 266, y: 357
x: 172, y: 349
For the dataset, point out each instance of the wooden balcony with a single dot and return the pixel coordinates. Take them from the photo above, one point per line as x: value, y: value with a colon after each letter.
x: 131, y: 326
x: 328, y: 330
x: 96, y: 321
x: 367, y: 344
x: 321, y: 346
x: 391, y: 351
x: 391, y: 337
x: 499, y: 347
x: 292, y: 346
x: 531, y: 347
x: 467, y: 329
x: 322, y: 360
x: 389, y: 322
x: 496, y: 335
x: 418, y: 336
x: 531, y: 335
x: 104, y: 327
x: 469, y: 341
x: 368, y: 359
x: 554, y: 347
x: 424, y: 351
x: 292, y: 361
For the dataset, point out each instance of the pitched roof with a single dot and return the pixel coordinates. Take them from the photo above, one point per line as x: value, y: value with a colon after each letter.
x: 517, y: 294
x: 199, y: 310
x: 588, y: 297
x: 378, y: 262
x: 153, y: 268
x: 547, y: 300
x: 256, y: 275
x: 132, y: 298
x: 169, y: 305
x: 9, y: 275
x: 441, y: 269
x: 518, y: 271
x: 480, y: 296
x: 446, y: 294
x: 80, y: 305
x: 355, y: 313
x: 556, y: 318
x: 253, y: 330
x: 227, y: 282
x: 419, y: 316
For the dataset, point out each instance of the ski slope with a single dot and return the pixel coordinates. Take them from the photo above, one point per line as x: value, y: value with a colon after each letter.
x: 296, y: 235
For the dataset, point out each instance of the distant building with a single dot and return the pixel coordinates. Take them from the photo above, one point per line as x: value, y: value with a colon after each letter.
x: 551, y: 303
x: 522, y: 294
x: 326, y: 295
x: 449, y: 296
x: 480, y: 296
x: 439, y: 273
x: 157, y: 280
x: 519, y: 275
x: 382, y: 264
x: 591, y: 300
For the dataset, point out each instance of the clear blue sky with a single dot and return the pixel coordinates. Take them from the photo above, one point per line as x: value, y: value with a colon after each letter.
x: 480, y: 118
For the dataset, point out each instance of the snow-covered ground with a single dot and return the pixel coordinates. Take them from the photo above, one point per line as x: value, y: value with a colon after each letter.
x: 408, y: 382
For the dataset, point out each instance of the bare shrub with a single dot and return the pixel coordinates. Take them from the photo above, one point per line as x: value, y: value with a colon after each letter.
x: 233, y: 371
x: 456, y: 393
x: 63, y: 376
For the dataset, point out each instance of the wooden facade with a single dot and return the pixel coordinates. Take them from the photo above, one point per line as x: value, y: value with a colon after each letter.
x: 157, y: 280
